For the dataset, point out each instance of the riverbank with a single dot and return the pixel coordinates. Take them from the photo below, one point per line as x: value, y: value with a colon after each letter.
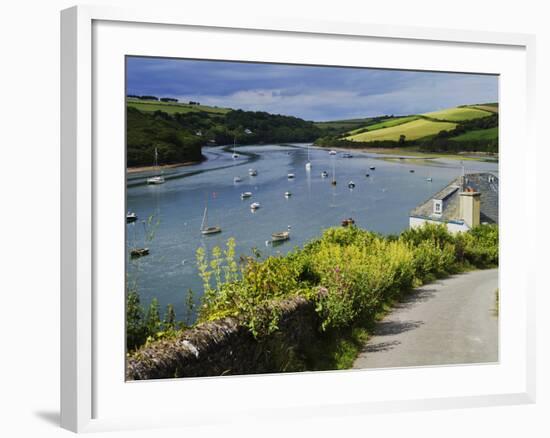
x: 414, y: 152
x: 140, y: 169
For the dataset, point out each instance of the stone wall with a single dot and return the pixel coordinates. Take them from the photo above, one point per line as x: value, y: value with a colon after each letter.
x: 226, y: 347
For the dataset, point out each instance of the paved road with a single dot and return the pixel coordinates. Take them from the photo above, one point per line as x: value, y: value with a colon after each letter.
x: 452, y: 321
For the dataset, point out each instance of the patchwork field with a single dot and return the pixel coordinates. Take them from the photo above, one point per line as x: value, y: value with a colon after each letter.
x: 459, y: 114
x: 492, y: 108
x: 172, y: 107
x: 412, y: 130
x: 388, y: 123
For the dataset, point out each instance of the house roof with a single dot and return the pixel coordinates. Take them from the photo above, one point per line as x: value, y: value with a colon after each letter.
x: 484, y: 183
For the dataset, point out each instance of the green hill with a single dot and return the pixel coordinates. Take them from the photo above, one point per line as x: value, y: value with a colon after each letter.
x: 179, y: 136
x: 172, y: 107
x: 463, y: 128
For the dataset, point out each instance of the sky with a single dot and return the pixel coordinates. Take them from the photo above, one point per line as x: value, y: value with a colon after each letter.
x: 309, y: 92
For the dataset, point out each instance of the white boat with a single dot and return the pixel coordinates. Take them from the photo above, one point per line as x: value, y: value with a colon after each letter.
x: 332, y: 152
x: 255, y: 205
x: 351, y: 185
x: 158, y: 179
x: 347, y: 155
x: 324, y: 174
x: 308, y: 164
x: 237, y: 179
x: 252, y: 172
x: 288, y: 194
x: 205, y: 229
x: 372, y: 168
x: 246, y: 195
x: 131, y: 217
x: 429, y: 179
x: 291, y: 176
x: 280, y: 236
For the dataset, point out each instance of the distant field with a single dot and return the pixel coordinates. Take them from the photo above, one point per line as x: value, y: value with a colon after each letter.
x: 478, y: 134
x: 457, y: 114
x: 412, y: 130
x: 172, y: 108
x: 388, y: 123
x: 491, y: 108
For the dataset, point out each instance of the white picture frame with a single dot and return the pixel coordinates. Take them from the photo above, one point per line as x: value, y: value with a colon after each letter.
x: 89, y: 398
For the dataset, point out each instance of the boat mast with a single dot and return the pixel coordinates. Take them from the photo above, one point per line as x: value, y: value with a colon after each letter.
x: 204, y: 218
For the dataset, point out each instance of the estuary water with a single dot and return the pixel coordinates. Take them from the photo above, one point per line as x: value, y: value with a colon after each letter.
x: 173, y: 211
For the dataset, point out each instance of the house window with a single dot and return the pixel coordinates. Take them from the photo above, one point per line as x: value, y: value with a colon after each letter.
x: 438, y: 206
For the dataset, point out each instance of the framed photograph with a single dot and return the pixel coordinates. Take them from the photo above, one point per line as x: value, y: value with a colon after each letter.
x: 269, y: 219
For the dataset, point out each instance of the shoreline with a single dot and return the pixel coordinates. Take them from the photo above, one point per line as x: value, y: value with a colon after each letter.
x: 415, y: 154
x: 139, y: 169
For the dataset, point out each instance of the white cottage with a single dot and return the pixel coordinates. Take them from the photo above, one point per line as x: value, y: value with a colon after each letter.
x: 467, y: 201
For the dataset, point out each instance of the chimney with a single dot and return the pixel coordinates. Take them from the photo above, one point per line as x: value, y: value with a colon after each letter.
x: 470, y: 207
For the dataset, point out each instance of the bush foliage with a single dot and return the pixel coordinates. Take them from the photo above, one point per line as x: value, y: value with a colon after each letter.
x: 348, y: 273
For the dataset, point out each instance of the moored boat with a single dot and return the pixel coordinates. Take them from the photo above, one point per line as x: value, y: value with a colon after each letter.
x: 157, y: 179
x: 332, y: 152
x: 255, y: 205
x: 205, y: 229
x: 324, y: 174
x: 237, y: 179
x: 291, y: 176
x: 288, y: 194
x: 351, y: 185
x: 347, y: 222
x: 131, y: 217
x: 280, y: 236
x: 138, y: 252
x: 252, y: 172
x: 246, y: 195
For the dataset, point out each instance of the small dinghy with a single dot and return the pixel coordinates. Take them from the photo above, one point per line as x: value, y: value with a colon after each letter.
x: 412, y: 170
x: 237, y: 179
x: 351, y: 185
x: 429, y: 179
x: 332, y: 153
x: 372, y: 168
x: 245, y: 195
x: 291, y: 176
x: 252, y: 172
x: 367, y: 175
x: 280, y: 236
x: 255, y: 205
x: 131, y: 217
x: 139, y: 252
x: 288, y: 194
x: 324, y: 174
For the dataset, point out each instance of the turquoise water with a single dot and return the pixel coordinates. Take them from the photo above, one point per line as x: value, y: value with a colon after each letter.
x: 379, y: 203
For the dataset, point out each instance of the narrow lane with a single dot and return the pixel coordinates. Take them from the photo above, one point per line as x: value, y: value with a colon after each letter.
x: 451, y: 321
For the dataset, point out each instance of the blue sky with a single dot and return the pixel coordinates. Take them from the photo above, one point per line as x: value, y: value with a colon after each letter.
x: 309, y: 92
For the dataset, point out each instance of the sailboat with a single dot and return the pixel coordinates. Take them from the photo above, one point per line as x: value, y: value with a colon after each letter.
x: 308, y: 164
x: 205, y: 229
x: 235, y: 154
x: 158, y: 179
x: 333, y: 182
x: 135, y: 251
